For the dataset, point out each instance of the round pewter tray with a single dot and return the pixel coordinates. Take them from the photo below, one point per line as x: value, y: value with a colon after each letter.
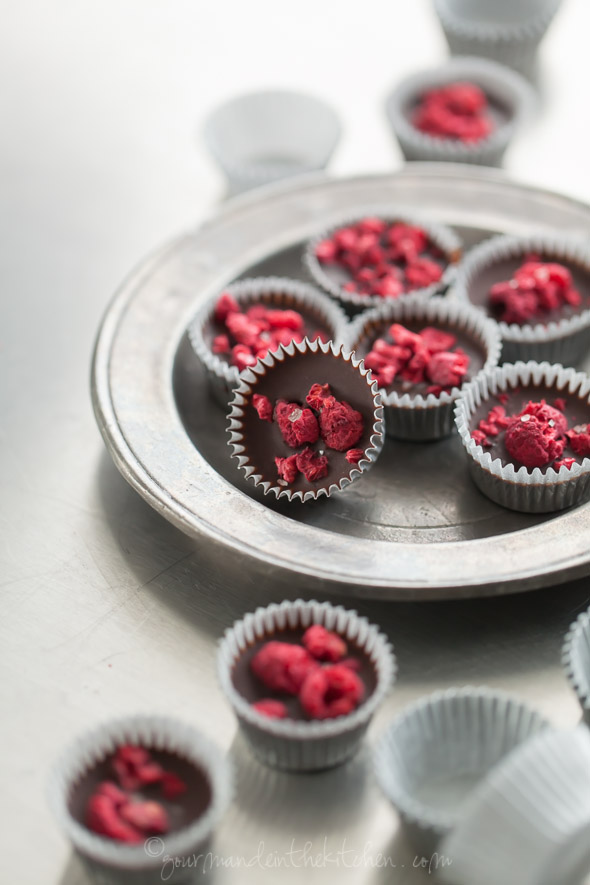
x: 415, y: 527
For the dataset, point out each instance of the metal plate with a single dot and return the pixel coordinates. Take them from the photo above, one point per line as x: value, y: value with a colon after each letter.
x: 415, y: 527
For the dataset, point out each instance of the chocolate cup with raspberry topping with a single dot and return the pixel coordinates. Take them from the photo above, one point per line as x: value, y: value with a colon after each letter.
x: 558, y: 336
x: 509, y: 100
x: 192, y: 815
x: 443, y: 247
x: 287, y: 376
x: 296, y: 743
x: 320, y: 313
x: 411, y: 412
x: 576, y: 661
x: 541, y: 489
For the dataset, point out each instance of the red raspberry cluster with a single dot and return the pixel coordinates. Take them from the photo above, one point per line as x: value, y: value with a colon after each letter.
x: 333, y: 421
x: 249, y: 335
x: 459, y: 110
x: 114, y: 811
x: 536, y: 436
x: 417, y: 358
x: 317, y: 672
x: 381, y: 258
x: 536, y: 289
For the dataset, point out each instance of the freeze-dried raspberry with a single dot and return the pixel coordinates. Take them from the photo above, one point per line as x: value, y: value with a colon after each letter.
x: 172, y: 786
x: 415, y: 370
x: 536, y: 288
x: 331, y: 691
x: 498, y: 416
x: 242, y: 357
x: 353, y: 456
x: 270, y: 708
x: 149, y: 817
x: 127, y: 764
x: 326, y: 250
x: 220, y: 344
x: 549, y: 415
x: 489, y: 428
x: 282, y: 666
x: 318, y: 396
x: 297, y: 425
x: 532, y: 441
x: 324, y: 645
x: 447, y: 369
x: 263, y: 406
x: 341, y: 425
x: 287, y: 468
x: 285, y: 319
x: 351, y: 663
x: 313, y: 465
x: 560, y: 404
x: 226, y: 304
x: 458, y: 110
x: 243, y: 330
x: 422, y: 272
x: 564, y: 462
x: 503, y: 398
x: 579, y: 440
x: 113, y: 792
x: 435, y: 340
x: 407, y: 239
x: 480, y: 438
x: 404, y: 337
x: 102, y: 817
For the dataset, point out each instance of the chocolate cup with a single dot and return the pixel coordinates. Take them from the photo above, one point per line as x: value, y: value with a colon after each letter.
x: 576, y: 661
x: 288, y: 375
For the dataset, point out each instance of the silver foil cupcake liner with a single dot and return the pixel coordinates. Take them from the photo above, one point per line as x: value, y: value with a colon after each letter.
x: 529, y: 822
x: 280, y: 292
x: 576, y: 661
x: 503, y: 86
x: 242, y: 400
x: 443, y: 237
x: 508, y: 31
x: 430, y: 417
x: 564, y: 341
x: 305, y: 745
x: 115, y: 863
x: 262, y: 137
x: 432, y: 756
x: 524, y: 489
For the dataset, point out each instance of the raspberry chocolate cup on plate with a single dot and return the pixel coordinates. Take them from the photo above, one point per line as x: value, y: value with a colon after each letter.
x: 372, y: 257
x: 254, y: 316
x: 304, y: 680
x: 526, y: 431
x: 137, y: 796
x: 306, y: 421
x: 465, y: 111
x: 538, y: 290
x: 421, y: 353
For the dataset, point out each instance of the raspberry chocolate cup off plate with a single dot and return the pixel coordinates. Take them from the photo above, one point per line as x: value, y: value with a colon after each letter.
x: 297, y: 742
x: 576, y: 661
x: 508, y: 102
x: 433, y: 755
x: 191, y: 797
x: 322, y: 445
x: 395, y: 253
x: 321, y: 316
x: 421, y: 409
x: 538, y: 318
x: 497, y: 446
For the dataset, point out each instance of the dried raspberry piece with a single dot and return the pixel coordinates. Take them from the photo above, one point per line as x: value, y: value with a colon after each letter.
x: 127, y: 762
x: 326, y: 251
x: 579, y: 440
x: 560, y: 404
x: 272, y: 709
x: 297, y: 425
x: 498, y: 416
x: 455, y: 111
x: 415, y: 370
x: 243, y: 330
x: 346, y: 239
x: 287, y: 468
x: 318, y: 395
x: 282, y: 666
x: 341, y: 425
x: 388, y: 287
x: 285, y: 319
x: 331, y: 691
x: 447, y: 369
x: 503, y: 398
x: 324, y: 645
x: 403, y: 337
x: 172, y: 786
x: 225, y: 305
x: 435, y: 340
x: 480, y: 438
x: 149, y: 817
x: 353, y: 456
x: 313, y: 465
x: 407, y: 238
x: 371, y: 225
x: 263, y: 406
x: 553, y: 417
x: 536, y: 288
x: 422, y: 272
x: 564, y: 462
x: 220, y: 344
x: 102, y: 817
x: 532, y: 441
x: 351, y: 663
x: 489, y: 427
x: 113, y: 792
x: 242, y: 357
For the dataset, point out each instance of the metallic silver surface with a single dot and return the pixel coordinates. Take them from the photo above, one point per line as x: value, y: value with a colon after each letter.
x: 415, y: 527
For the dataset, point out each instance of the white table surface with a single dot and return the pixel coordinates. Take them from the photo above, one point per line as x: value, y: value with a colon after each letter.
x: 107, y: 608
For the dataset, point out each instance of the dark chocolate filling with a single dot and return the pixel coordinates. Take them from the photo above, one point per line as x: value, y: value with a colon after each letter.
x: 291, y: 380
x: 577, y: 412
x: 252, y: 689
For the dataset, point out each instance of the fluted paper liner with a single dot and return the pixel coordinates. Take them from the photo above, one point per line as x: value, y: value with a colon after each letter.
x: 576, y: 660
x: 498, y: 82
x: 247, y: 388
x: 443, y: 237
x: 112, y: 861
x: 529, y: 822
x: 562, y: 341
x: 458, y: 733
x: 523, y: 488
x: 430, y: 417
x: 305, y: 745
x: 278, y: 292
